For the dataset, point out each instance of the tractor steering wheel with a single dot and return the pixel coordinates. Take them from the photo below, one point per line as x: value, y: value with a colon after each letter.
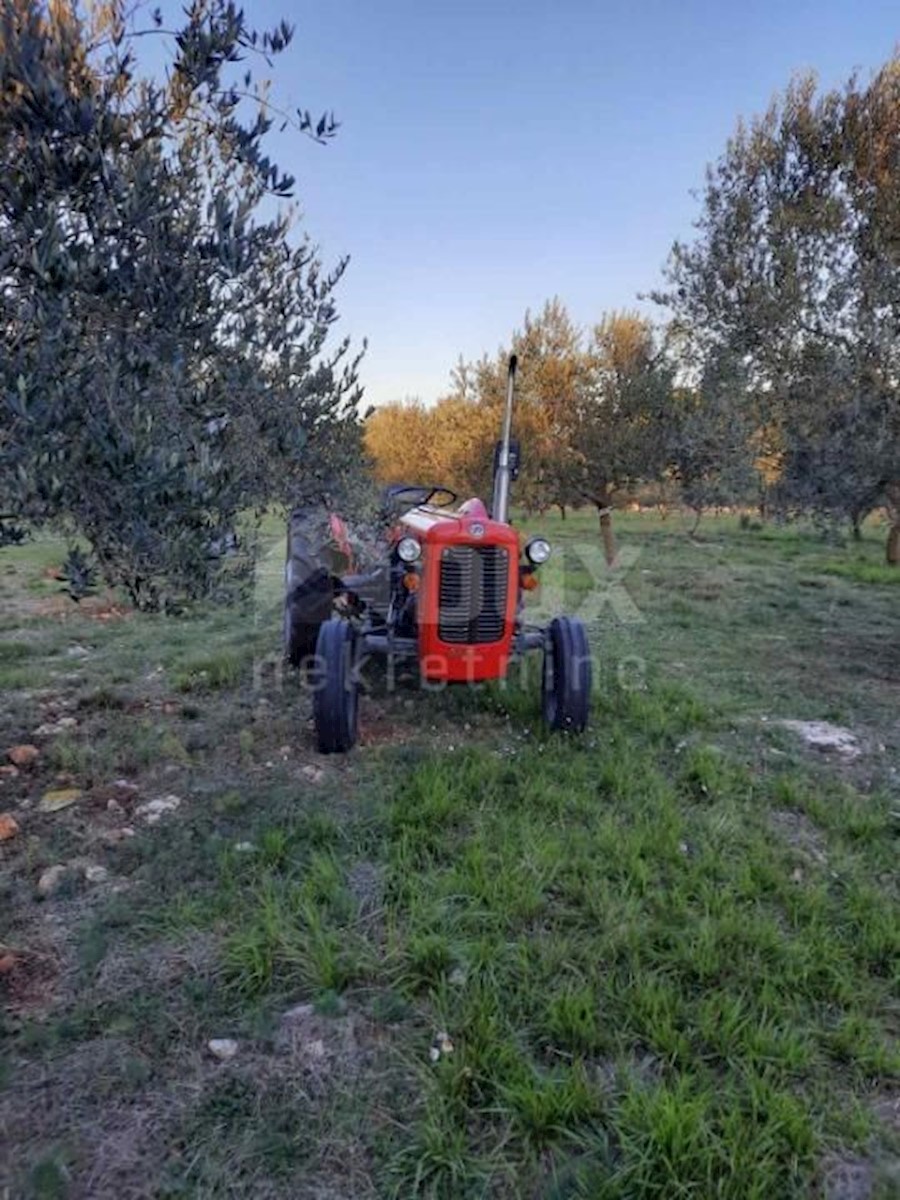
x: 415, y: 495
x: 440, y: 497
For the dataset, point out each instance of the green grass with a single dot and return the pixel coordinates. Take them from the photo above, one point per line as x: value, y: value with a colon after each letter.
x: 666, y: 952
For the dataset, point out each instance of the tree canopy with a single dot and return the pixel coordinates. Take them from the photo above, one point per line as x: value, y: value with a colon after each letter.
x: 591, y: 416
x: 165, y: 369
x: 792, y: 287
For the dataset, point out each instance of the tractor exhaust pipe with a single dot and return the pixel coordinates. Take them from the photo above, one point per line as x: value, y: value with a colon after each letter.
x: 502, y: 474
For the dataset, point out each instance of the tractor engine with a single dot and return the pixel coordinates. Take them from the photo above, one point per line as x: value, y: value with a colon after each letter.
x: 463, y: 569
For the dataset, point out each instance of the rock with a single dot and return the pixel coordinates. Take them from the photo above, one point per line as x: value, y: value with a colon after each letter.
x: 50, y: 879
x: 823, y: 736
x: 313, y: 774
x: 315, y: 1048
x: 23, y: 755
x: 113, y: 837
x: 8, y: 961
x: 77, y: 651
x: 224, y: 1049
x: 9, y: 827
x: 53, y: 728
x: 58, y: 799
x: 244, y: 847
x: 96, y: 874
x: 153, y: 810
x: 8, y: 771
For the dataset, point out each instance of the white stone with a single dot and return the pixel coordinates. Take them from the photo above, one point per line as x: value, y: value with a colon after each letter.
x: 153, y: 810
x: 224, y: 1049
x: 822, y: 735
x: 50, y: 879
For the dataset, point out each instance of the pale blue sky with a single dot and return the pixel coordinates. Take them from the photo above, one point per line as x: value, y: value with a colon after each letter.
x: 495, y: 154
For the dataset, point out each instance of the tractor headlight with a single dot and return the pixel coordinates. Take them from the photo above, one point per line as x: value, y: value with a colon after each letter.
x: 409, y: 550
x: 537, y: 551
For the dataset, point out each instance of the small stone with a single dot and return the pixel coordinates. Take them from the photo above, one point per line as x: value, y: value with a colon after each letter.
x: 124, y: 785
x: 8, y: 962
x: 9, y: 827
x: 457, y: 977
x: 8, y: 771
x: 153, y: 810
x: 77, y: 651
x: 300, y: 1012
x: 96, y: 874
x: 114, y: 806
x: 315, y: 1049
x: 58, y: 799
x: 113, y: 836
x: 313, y: 774
x: 244, y: 847
x: 224, y: 1049
x: 23, y: 755
x: 797, y: 875
x: 50, y: 879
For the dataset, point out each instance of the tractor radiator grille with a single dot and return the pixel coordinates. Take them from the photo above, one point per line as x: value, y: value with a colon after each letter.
x: 472, y: 596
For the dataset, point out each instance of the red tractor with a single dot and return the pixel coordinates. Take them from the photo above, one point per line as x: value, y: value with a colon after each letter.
x: 449, y: 596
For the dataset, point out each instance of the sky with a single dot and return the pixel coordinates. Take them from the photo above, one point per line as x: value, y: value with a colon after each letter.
x: 493, y: 155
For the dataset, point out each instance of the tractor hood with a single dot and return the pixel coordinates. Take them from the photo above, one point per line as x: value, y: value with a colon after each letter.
x: 468, y: 524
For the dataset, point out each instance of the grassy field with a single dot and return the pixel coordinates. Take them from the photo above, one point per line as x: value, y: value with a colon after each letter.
x: 467, y: 960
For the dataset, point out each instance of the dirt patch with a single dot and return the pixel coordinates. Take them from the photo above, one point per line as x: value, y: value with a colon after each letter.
x: 886, y: 1107
x: 318, y: 1045
x: 798, y: 831
x: 847, y: 1178
x: 155, y: 968
x: 28, y: 981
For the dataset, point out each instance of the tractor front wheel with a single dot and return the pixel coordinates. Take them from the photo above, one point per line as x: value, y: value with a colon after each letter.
x: 566, y: 678
x: 335, y: 680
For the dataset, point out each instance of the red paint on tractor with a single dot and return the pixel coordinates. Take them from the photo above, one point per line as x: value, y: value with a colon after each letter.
x: 436, y: 529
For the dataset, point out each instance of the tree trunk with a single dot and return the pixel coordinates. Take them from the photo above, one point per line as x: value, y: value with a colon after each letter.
x: 892, y: 550
x: 607, y: 535
x: 856, y: 528
x: 562, y: 510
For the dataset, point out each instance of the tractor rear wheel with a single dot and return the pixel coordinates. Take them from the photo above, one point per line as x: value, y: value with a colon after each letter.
x: 308, y: 586
x: 566, y: 677
x: 335, y: 680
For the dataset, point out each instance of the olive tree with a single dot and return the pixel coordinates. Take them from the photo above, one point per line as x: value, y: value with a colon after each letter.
x: 165, y: 370
x: 795, y: 276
